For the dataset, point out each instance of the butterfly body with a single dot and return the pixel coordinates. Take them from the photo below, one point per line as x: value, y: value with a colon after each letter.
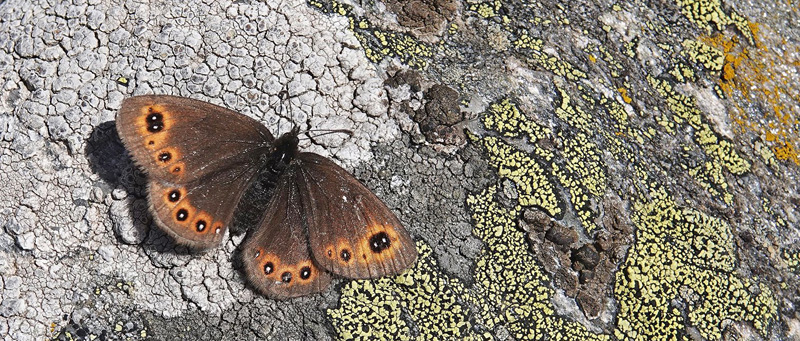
x: 319, y: 220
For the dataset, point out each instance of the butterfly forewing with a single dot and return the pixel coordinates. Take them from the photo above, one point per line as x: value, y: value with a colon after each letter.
x: 179, y: 139
x: 199, y: 159
x: 351, y: 232
x: 276, y: 256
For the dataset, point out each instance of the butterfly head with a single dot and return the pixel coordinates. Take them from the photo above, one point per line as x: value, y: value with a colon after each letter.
x: 284, y: 149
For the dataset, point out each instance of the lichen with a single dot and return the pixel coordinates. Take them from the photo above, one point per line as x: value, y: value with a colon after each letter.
x: 683, y: 255
x: 533, y: 185
x: 379, y: 43
x: 431, y: 300
x: 703, y: 13
x: 510, y: 291
x: 720, y: 153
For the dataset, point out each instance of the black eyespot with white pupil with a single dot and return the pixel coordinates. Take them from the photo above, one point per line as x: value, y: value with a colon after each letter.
x: 155, y: 122
x: 182, y: 215
x: 269, y: 268
x: 345, y: 255
x: 174, y: 196
x: 201, y: 225
x: 305, y: 272
x: 286, y: 277
x: 164, y: 156
x: 379, y: 242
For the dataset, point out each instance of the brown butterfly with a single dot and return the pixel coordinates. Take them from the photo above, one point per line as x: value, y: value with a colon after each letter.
x: 200, y: 159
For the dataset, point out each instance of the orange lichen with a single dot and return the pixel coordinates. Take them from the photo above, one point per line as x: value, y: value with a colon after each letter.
x: 757, y: 74
x: 624, y: 93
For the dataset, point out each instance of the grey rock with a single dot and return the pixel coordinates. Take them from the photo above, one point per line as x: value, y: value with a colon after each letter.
x: 371, y: 98
x: 58, y: 128
x: 119, y: 194
x: 12, y: 307
x: 66, y: 81
x: 94, y: 18
x: 7, y: 127
x: 107, y: 252
x: 119, y: 36
x: 26, y: 241
x: 28, y: 47
x: 126, y: 228
x: 301, y: 83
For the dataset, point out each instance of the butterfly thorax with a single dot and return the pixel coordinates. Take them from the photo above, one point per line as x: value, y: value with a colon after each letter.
x: 284, y: 151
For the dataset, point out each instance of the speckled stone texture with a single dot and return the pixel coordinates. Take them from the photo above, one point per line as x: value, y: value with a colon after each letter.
x: 569, y: 170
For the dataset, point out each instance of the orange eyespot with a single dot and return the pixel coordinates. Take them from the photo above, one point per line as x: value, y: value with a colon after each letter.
x: 167, y: 156
x: 174, y: 195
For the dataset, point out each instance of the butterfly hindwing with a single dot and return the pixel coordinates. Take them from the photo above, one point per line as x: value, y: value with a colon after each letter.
x: 198, y: 213
x: 199, y: 159
x: 351, y: 232
x: 276, y: 257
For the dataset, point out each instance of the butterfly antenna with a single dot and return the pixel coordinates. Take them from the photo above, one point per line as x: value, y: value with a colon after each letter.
x: 327, y: 132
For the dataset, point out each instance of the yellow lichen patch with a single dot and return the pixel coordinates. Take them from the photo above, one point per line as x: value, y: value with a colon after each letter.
x: 379, y: 44
x: 699, y: 52
x: 763, y: 74
x: 766, y: 205
x: 584, y: 175
x: 792, y: 259
x: 705, y: 12
x: 573, y: 115
x: 525, y: 41
x: 510, y: 288
x: 616, y: 111
x: 683, y: 72
x: 533, y: 49
x: 522, y: 41
x: 557, y: 66
x: 767, y: 154
x: 630, y: 48
x: 505, y: 118
x: 604, y: 55
x: 373, y: 309
x: 683, y: 255
x: 532, y: 185
x: 487, y: 9
x: 720, y: 153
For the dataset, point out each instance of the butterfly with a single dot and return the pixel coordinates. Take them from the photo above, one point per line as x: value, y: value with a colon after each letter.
x: 200, y: 159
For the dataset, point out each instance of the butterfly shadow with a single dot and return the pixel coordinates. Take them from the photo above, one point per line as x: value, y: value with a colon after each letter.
x: 109, y: 159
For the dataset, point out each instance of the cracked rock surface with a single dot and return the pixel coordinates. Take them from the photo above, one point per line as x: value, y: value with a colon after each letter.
x: 568, y: 170
x: 80, y: 255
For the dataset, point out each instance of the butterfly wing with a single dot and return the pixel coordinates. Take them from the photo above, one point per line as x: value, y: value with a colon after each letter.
x: 351, y: 232
x: 276, y: 257
x: 199, y: 158
x: 198, y: 213
x: 179, y: 139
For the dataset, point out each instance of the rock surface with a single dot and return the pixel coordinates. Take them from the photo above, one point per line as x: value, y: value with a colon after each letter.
x: 568, y: 169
